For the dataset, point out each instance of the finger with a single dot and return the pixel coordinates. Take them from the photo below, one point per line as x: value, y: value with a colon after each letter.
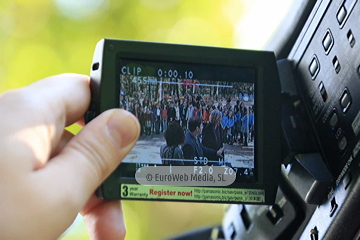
x: 81, y: 122
x: 104, y: 219
x: 67, y: 95
x: 61, y: 99
x: 92, y: 155
x: 64, y: 140
x: 36, y: 115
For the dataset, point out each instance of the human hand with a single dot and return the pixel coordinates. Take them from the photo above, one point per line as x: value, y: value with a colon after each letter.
x: 220, y: 152
x: 47, y: 175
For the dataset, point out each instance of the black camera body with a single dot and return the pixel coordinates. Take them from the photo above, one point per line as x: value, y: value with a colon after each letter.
x: 318, y: 196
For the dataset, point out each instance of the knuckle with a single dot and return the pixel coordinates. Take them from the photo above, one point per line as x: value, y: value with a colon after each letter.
x: 71, y: 200
x: 9, y: 95
x: 25, y: 102
x: 13, y: 98
x: 94, y: 157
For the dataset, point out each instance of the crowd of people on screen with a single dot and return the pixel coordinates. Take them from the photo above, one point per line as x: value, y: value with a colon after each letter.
x: 193, y: 126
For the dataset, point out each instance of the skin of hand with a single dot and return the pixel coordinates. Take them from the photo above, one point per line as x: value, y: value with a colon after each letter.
x: 48, y: 175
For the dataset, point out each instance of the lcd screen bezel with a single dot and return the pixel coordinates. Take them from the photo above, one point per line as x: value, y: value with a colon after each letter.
x: 105, y: 95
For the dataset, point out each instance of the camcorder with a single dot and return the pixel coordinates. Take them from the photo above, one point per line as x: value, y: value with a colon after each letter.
x: 294, y: 150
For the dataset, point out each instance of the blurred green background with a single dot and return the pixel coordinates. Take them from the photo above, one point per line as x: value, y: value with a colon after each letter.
x: 39, y: 38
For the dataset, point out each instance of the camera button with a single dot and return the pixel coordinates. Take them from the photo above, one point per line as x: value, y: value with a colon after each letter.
x: 340, y: 16
x: 351, y: 38
x: 314, y: 67
x: 342, y: 143
x: 336, y: 64
x: 323, y: 91
x: 328, y: 41
x: 345, y: 101
x: 334, y: 119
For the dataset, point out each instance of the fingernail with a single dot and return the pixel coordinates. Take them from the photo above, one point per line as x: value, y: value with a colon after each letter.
x: 122, y: 128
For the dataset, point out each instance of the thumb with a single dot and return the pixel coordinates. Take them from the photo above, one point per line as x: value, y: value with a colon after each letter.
x: 93, y: 154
